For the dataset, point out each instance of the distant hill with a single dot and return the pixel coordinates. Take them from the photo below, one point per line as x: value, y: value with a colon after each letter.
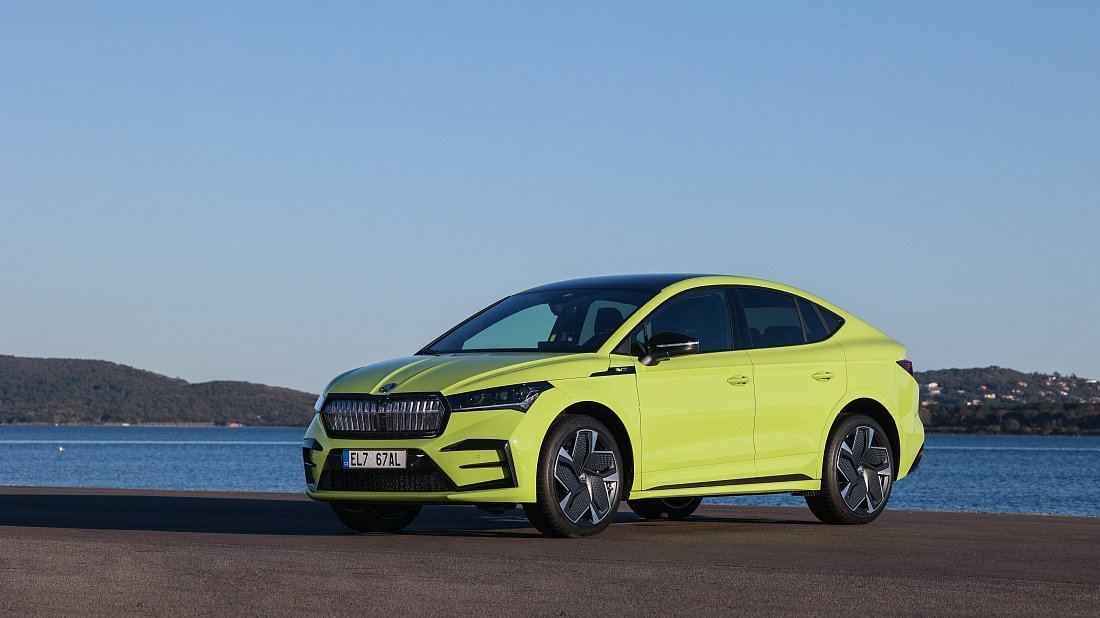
x: 999, y: 400
x: 56, y: 390
x: 990, y: 385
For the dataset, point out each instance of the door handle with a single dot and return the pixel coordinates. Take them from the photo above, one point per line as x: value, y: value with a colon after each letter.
x: 823, y: 376
x: 739, y: 380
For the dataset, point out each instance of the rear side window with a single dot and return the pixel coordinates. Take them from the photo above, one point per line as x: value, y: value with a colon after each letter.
x: 772, y: 318
x: 815, y: 330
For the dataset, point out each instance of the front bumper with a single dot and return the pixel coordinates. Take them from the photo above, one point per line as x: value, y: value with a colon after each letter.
x: 484, y: 456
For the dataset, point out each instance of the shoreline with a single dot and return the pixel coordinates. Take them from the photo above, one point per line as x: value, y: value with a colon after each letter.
x: 177, y: 424
x: 935, y: 432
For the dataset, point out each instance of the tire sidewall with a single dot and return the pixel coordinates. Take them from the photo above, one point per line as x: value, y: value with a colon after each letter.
x: 830, y: 473
x: 545, y: 485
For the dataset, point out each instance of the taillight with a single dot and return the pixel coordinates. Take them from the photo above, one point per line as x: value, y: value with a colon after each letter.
x: 907, y: 365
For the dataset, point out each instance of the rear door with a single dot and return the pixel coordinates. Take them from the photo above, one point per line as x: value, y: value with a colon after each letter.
x: 800, y: 376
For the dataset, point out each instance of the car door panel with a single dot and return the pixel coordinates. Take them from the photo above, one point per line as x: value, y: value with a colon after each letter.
x: 697, y: 419
x: 797, y: 388
x: 697, y: 410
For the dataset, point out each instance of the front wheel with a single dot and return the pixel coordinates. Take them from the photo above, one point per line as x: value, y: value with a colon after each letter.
x: 665, y: 508
x: 374, y: 517
x: 857, y: 476
x: 578, y: 487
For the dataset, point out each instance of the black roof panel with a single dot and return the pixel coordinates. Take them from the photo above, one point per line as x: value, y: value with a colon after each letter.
x: 649, y: 283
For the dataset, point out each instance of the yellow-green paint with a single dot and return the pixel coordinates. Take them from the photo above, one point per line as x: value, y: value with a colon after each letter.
x: 722, y: 417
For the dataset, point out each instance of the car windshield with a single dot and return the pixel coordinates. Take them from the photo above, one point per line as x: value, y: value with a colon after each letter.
x: 577, y: 320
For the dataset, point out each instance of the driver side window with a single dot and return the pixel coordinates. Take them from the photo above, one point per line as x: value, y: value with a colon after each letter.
x: 701, y: 315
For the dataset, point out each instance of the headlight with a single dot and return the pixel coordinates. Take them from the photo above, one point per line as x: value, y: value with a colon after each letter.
x: 517, y: 397
x: 320, y: 402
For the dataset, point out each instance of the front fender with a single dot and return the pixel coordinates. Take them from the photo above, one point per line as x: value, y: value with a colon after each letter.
x: 619, y: 394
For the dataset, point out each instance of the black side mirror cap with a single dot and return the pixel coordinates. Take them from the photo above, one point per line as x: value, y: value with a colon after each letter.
x: 664, y: 346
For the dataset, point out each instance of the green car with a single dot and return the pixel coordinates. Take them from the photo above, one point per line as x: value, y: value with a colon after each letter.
x: 659, y: 390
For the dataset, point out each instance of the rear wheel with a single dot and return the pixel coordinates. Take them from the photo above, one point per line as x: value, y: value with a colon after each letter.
x: 374, y: 517
x: 858, y: 474
x: 577, y: 488
x: 665, y: 508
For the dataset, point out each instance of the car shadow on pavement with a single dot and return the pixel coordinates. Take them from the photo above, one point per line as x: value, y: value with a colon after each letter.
x: 754, y: 520
x: 229, y: 515
x: 275, y: 515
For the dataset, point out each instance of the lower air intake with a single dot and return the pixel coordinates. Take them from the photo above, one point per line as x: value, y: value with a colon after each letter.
x: 422, y: 475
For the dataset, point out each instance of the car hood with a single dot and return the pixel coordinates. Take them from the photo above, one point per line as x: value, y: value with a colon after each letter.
x: 455, y: 373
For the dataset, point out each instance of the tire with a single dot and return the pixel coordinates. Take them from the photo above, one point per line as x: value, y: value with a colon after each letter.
x: 665, y: 508
x: 857, y: 474
x: 576, y: 498
x: 375, y: 517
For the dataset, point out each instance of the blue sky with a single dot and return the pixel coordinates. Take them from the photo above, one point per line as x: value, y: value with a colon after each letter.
x: 278, y: 192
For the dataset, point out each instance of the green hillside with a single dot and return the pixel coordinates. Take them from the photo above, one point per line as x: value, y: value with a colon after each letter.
x: 999, y: 400
x: 56, y: 390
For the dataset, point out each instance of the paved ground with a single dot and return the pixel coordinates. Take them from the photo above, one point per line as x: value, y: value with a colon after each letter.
x: 106, y: 552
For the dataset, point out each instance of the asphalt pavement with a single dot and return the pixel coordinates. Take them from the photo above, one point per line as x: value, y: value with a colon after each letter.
x: 100, y: 552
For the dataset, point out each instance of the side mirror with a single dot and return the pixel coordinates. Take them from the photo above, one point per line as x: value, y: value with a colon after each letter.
x: 664, y: 346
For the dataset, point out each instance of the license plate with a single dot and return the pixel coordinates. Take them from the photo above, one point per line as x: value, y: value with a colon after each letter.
x: 374, y: 459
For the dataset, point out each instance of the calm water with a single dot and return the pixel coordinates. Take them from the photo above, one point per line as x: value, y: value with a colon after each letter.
x: 1025, y: 474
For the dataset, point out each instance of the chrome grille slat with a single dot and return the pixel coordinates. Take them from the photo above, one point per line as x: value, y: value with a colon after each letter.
x: 385, y: 416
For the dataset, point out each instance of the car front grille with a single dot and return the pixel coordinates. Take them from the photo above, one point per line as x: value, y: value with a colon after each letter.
x: 421, y: 475
x: 395, y: 416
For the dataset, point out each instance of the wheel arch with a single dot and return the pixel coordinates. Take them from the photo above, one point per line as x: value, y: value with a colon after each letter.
x: 877, y: 411
x: 618, y: 429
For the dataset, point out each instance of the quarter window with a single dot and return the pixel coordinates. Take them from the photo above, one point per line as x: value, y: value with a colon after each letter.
x: 815, y: 330
x: 772, y: 318
x: 832, y: 321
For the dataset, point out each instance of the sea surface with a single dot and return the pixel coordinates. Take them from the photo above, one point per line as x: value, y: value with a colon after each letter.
x: 1007, y: 474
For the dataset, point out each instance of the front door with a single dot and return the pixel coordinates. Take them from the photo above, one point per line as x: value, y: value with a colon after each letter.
x: 697, y: 410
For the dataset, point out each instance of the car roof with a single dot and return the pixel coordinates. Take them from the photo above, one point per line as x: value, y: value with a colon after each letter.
x: 645, y: 282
